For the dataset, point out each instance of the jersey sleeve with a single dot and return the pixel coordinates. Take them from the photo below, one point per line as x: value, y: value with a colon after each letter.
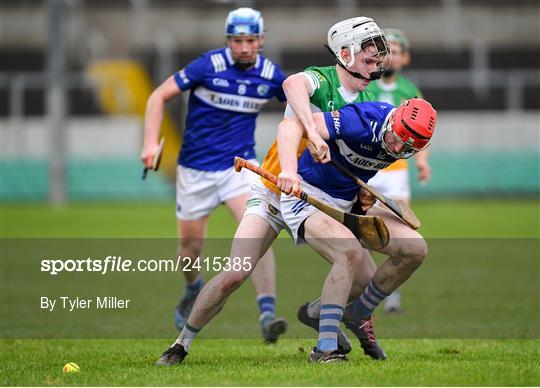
x: 347, y: 123
x: 193, y: 74
x: 319, y: 84
x: 311, y: 79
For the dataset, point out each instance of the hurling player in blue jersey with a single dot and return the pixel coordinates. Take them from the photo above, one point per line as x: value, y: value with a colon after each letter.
x: 228, y: 87
x: 365, y: 137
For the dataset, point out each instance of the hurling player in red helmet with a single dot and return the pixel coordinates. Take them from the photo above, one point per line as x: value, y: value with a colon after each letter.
x: 411, y: 125
x: 365, y: 138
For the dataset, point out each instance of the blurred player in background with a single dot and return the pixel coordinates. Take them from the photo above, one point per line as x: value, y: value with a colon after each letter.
x: 393, y: 88
x: 361, y: 47
x: 228, y: 88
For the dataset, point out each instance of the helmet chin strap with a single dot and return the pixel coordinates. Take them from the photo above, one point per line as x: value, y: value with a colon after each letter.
x: 389, y: 72
x: 372, y: 76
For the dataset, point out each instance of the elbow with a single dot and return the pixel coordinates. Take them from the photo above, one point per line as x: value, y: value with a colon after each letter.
x: 282, y: 127
x: 290, y: 84
x: 155, y: 100
x: 287, y: 84
x: 290, y: 127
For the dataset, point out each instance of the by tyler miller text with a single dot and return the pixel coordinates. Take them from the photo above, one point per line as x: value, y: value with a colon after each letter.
x: 77, y: 303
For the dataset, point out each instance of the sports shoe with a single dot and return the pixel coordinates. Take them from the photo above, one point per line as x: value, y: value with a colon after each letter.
x: 183, y: 309
x: 174, y: 355
x: 326, y: 357
x: 272, y: 328
x: 344, y: 345
x: 392, y: 304
x: 363, y: 330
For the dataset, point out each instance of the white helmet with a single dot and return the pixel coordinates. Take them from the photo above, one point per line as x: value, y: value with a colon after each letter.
x: 353, y: 33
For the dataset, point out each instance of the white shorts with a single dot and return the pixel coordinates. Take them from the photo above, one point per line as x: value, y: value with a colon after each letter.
x: 199, y: 192
x: 394, y: 184
x: 295, y: 211
x: 265, y: 204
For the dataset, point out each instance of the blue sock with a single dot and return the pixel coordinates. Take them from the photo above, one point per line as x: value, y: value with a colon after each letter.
x: 367, y: 302
x: 267, y: 305
x: 192, y: 289
x: 330, y: 319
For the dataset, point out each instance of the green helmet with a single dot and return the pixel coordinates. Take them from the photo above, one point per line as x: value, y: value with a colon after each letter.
x: 395, y: 35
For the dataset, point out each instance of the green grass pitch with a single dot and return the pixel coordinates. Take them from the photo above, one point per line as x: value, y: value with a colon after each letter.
x: 447, y: 336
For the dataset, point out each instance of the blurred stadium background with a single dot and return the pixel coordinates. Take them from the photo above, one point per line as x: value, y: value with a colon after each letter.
x: 75, y: 76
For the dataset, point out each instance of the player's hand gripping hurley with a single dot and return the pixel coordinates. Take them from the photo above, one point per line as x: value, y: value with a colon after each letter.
x: 156, y: 160
x: 399, y: 208
x: 371, y: 231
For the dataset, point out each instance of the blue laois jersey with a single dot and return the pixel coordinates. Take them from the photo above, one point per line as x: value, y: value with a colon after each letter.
x: 355, y: 142
x: 223, y: 106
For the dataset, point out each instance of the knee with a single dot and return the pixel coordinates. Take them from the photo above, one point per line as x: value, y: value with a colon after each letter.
x: 414, y: 251
x: 190, y: 247
x: 351, y: 257
x: 232, y: 280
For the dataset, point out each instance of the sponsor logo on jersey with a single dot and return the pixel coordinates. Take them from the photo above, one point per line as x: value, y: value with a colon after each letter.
x: 220, y: 82
x: 223, y: 100
x: 365, y: 163
x: 337, y: 121
x: 262, y: 89
x: 243, y: 81
x: 360, y: 161
x: 230, y: 102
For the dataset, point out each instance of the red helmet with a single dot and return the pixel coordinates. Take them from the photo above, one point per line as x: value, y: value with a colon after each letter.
x: 413, y: 125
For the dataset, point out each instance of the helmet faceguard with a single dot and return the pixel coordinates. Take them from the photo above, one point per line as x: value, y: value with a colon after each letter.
x: 411, y: 124
x: 357, y: 34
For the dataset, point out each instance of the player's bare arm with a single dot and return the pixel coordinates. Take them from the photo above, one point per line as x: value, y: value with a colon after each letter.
x: 290, y: 132
x: 298, y: 89
x: 153, y: 117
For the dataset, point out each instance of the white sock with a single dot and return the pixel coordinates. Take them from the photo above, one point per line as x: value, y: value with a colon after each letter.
x: 187, y: 335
